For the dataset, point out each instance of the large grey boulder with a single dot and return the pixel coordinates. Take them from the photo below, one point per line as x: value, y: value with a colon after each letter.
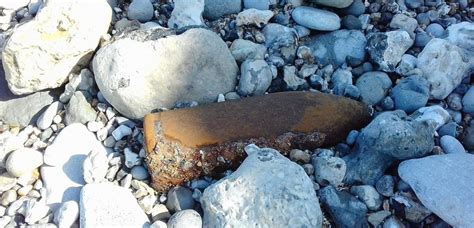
x: 40, y: 54
x: 444, y: 185
x: 108, y: 205
x: 145, y: 70
x: 267, y: 190
x: 390, y: 137
x: 444, y: 65
x: 339, y: 47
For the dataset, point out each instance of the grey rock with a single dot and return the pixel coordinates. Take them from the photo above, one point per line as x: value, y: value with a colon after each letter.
x: 460, y: 34
x: 391, y: 136
x: 63, y: 173
x: 436, y: 115
x: 413, y: 4
x: 468, y: 101
x: 185, y: 218
x: 406, y: 65
x: 186, y: 13
x: 454, y: 101
x: 8, y: 197
x: 446, y: 71
x: 351, y: 22
x: 104, y: 204
x: 451, y: 145
x: 450, y: 129
x: 357, y: 8
x: 139, y: 172
x: 257, y: 4
x: 402, y: 21
x: 79, y: 110
x: 411, y: 93
x: 292, y: 81
x: 344, y: 209
x: 334, y: 3
x: 264, y: 176
x: 280, y: 39
x: 373, y: 86
x: 468, y: 138
x: 378, y: 217
x: 255, y: 17
x: 443, y: 183
x: 159, y: 224
x: 386, y: 49
x: 35, y: 211
x: 215, y: 9
x: 22, y: 110
x: 141, y: 10
x: 329, y: 170
x: 436, y: 30
x: 414, y: 211
x: 255, y: 78
x: 385, y: 185
x: 180, y: 198
x: 316, y: 19
x: 46, y: 118
x: 422, y: 39
x: 167, y: 81
x: 339, y: 47
x: 244, y: 49
x: 368, y: 195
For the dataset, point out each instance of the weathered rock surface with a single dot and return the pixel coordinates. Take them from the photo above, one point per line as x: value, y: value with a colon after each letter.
x: 339, y: 47
x: 63, y: 173
x: 108, y: 205
x: 186, y: 13
x: 215, y: 9
x: 265, y: 176
x: 40, y: 54
x: 194, y: 66
x: 386, y: 49
x: 345, y: 209
x: 443, y: 183
x: 391, y: 136
x: 444, y: 65
x: 212, y: 137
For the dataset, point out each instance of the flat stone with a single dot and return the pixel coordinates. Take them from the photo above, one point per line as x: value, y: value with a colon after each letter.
x: 223, y: 129
x: 41, y: 53
x: 272, y: 190
x: 63, y: 173
x: 186, y: 13
x: 108, y: 205
x: 443, y: 183
x: 316, y: 19
x: 161, y: 79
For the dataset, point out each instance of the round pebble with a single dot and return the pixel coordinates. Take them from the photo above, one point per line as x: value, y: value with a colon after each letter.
x: 8, y: 197
x: 139, y: 172
x: 385, y: 185
x: 451, y: 145
x: 23, y: 161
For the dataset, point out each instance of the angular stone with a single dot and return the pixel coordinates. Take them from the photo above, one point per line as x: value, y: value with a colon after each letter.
x: 209, y: 138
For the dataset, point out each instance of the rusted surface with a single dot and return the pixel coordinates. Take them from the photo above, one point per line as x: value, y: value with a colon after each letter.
x: 187, y: 143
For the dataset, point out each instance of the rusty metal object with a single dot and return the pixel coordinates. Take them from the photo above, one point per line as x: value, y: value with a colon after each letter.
x: 184, y: 144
